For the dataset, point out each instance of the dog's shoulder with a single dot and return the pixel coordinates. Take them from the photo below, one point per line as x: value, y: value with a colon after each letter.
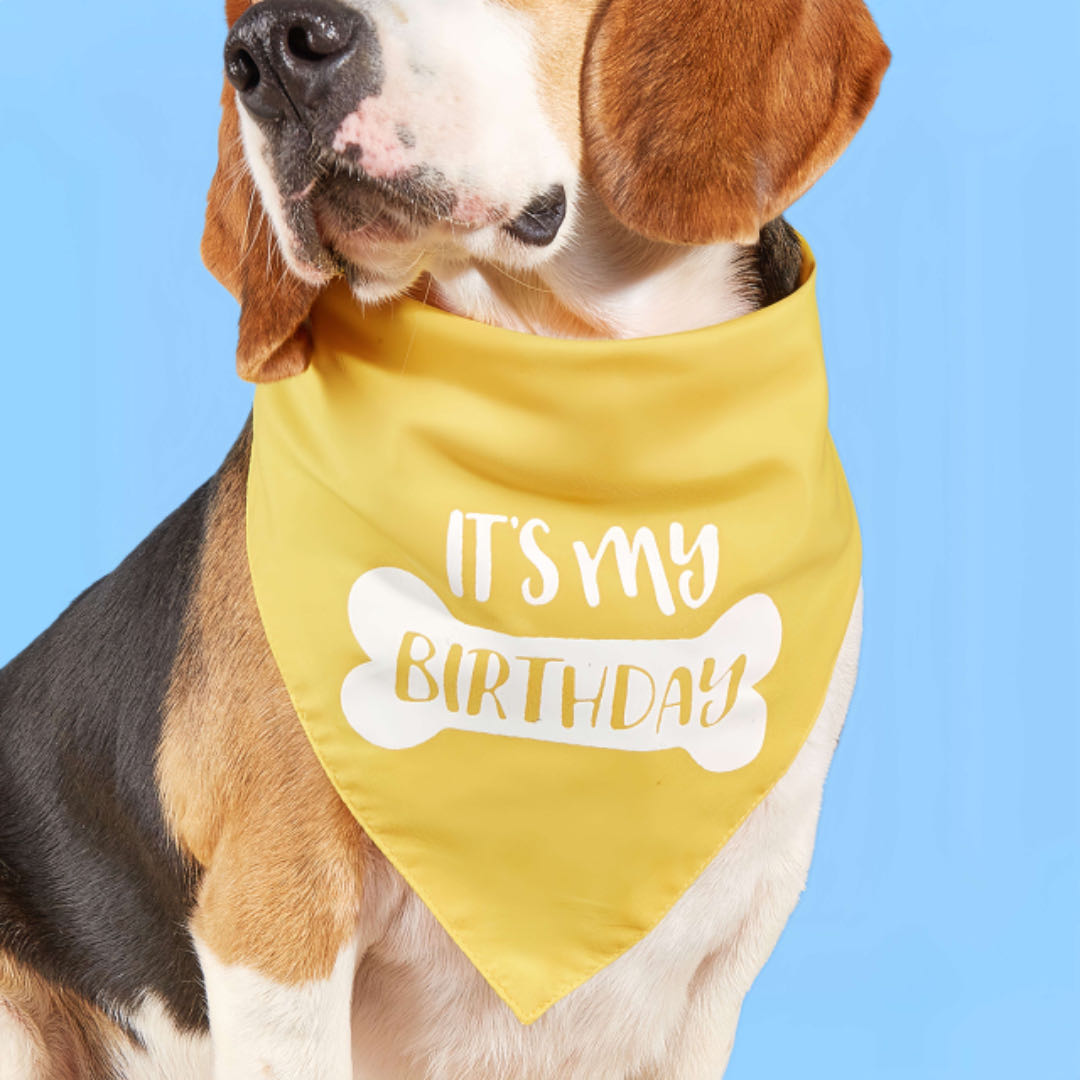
x: 93, y: 892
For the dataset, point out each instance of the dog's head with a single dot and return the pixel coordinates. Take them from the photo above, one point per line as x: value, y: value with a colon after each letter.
x: 375, y: 138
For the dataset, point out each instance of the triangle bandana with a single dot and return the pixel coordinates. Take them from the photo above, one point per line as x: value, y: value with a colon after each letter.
x: 555, y: 615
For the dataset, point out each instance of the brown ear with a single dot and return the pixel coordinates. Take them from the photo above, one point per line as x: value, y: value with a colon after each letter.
x: 704, y: 119
x: 240, y: 250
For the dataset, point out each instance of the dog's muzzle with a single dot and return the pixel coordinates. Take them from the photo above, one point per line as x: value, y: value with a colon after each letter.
x: 291, y: 59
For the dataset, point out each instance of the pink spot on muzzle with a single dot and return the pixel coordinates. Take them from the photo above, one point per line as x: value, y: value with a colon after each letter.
x: 370, y: 133
x: 475, y: 211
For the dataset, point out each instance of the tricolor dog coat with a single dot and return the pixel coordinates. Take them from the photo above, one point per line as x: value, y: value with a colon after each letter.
x: 574, y: 627
x: 471, y: 722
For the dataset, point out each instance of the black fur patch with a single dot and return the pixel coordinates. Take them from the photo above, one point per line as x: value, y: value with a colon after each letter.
x: 778, y: 258
x: 93, y: 893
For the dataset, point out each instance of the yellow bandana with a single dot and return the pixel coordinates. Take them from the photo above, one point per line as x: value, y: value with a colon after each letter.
x: 555, y: 615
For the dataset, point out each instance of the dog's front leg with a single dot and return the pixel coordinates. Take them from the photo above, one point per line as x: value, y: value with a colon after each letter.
x: 276, y: 931
x: 282, y: 859
x: 265, y: 1029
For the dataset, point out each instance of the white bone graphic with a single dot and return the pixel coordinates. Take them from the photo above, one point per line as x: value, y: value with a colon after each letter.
x: 430, y: 672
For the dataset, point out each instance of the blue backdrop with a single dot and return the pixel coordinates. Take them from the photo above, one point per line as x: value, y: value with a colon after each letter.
x: 939, y: 935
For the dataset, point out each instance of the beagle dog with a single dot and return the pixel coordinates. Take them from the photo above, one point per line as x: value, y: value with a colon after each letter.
x: 182, y: 893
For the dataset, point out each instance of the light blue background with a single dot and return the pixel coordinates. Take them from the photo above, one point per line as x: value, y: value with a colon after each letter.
x: 939, y: 935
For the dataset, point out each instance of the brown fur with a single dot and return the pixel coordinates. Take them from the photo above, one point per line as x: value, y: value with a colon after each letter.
x: 241, y: 786
x: 705, y: 120
x: 241, y: 251
x: 69, y: 1038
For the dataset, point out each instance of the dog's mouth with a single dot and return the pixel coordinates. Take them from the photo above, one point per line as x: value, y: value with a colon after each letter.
x: 337, y: 213
x: 344, y: 221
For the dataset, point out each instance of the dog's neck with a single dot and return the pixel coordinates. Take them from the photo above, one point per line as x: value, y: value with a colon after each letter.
x: 604, y: 281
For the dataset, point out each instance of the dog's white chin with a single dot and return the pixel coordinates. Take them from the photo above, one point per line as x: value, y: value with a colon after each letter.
x: 369, y: 283
x: 371, y: 288
x: 309, y: 273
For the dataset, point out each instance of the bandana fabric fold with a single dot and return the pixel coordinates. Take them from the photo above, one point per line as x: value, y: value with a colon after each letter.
x: 555, y: 615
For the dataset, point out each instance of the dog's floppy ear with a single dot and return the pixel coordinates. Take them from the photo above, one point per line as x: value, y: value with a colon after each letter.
x: 704, y: 119
x: 241, y: 251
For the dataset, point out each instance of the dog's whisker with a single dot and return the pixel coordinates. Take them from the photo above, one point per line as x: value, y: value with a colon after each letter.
x: 247, y: 219
x: 541, y: 290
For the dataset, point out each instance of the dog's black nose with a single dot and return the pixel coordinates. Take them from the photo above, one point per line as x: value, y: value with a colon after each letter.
x: 539, y: 223
x: 284, y: 55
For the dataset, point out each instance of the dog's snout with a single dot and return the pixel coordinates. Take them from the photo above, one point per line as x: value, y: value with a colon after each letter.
x: 287, y: 55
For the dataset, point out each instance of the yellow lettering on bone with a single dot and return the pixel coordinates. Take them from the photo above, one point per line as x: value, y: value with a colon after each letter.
x: 570, y: 701
x: 479, y: 686
x: 733, y: 676
x: 407, y: 663
x: 451, y: 671
x: 621, y: 692
x: 534, y: 685
x: 683, y: 681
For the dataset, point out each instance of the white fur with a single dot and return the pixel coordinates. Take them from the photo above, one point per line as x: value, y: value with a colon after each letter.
x: 604, y: 281
x: 18, y: 1054
x: 167, y: 1053
x: 459, y: 75
x: 265, y: 1030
